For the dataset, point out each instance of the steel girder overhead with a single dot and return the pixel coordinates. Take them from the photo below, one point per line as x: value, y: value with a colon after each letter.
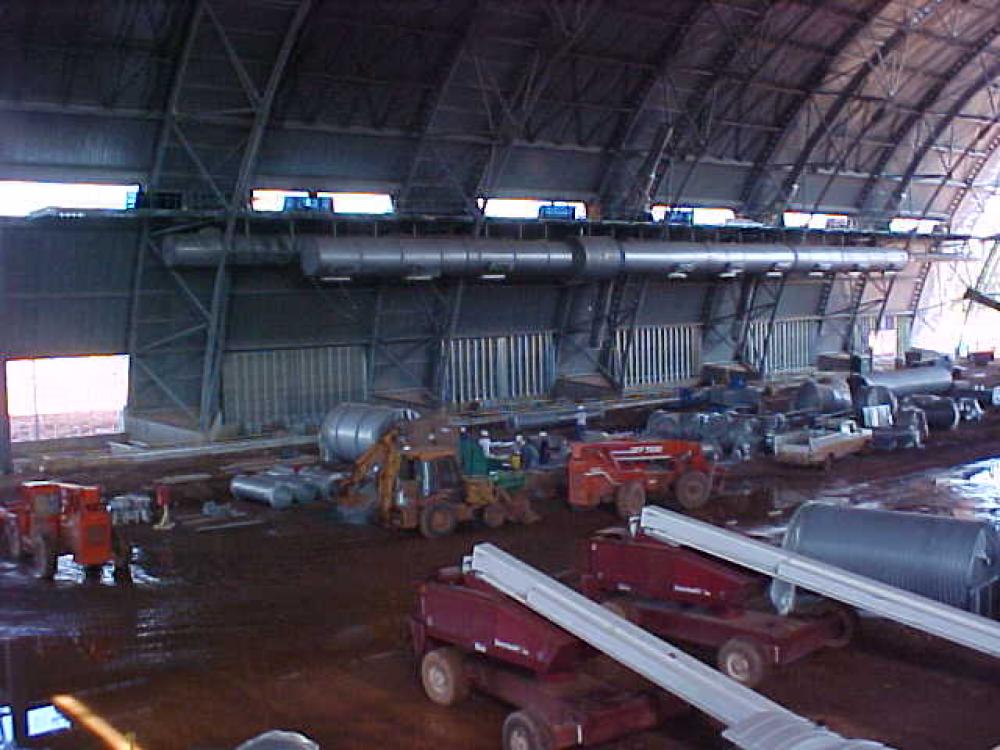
x: 760, y: 105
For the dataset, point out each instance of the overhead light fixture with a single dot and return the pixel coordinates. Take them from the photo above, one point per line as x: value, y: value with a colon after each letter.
x: 774, y: 274
x: 728, y: 274
x: 854, y: 274
x: 335, y: 278
x: 677, y: 275
x: 419, y: 277
x: 494, y: 277
x: 817, y: 274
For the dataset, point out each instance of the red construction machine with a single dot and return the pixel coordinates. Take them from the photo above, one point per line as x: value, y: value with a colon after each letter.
x: 627, y: 472
x: 681, y: 595
x: 467, y: 634
x: 49, y: 519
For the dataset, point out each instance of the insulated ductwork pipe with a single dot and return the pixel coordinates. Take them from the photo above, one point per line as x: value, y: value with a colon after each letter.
x: 203, y: 250
x: 405, y: 257
x: 594, y: 257
x: 906, y: 381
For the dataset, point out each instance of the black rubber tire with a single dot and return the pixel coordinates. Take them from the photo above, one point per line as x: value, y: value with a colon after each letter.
x: 744, y: 660
x: 437, y: 520
x: 442, y: 674
x: 847, y: 624
x: 13, y: 548
x: 693, y: 489
x: 44, y: 559
x: 522, y: 730
x: 494, y: 516
x: 630, y: 499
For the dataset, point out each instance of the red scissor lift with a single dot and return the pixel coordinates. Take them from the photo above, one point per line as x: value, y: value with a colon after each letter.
x: 682, y: 595
x: 467, y: 634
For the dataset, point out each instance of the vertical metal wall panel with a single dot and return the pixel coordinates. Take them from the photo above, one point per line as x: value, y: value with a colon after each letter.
x: 290, y: 386
x: 660, y: 354
x: 500, y: 368
x: 791, y: 346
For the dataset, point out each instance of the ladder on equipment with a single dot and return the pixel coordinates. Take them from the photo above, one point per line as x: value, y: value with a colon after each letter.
x: 752, y: 721
x: 865, y: 593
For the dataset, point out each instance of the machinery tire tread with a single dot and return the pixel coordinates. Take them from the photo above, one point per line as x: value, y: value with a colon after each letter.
x: 523, y: 730
x: 443, y: 677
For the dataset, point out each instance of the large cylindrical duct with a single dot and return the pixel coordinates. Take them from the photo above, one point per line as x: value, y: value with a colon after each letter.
x: 262, y: 489
x: 946, y: 559
x: 203, y: 250
x: 906, y: 381
x: 348, y: 430
x: 941, y: 411
x: 594, y: 257
x: 824, y: 398
x: 327, y: 257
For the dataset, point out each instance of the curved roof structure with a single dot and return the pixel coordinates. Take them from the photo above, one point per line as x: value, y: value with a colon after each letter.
x: 871, y: 107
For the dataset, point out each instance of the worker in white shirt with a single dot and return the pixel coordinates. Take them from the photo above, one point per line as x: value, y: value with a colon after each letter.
x: 581, y: 422
x: 485, y: 443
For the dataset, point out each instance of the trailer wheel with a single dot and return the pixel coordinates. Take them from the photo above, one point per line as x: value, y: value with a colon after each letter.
x: 744, y: 660
x: 692, y: 489
x: 846, y: 623
x: 437, y: 520
x: 12, y: 541
x: 522, y: 730
x: 630, y: 499
x: 45, y: 560
x: 442, y: 673
x: 494, y: 515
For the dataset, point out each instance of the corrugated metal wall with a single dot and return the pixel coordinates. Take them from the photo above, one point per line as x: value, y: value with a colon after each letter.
x: 489, y: 368
x: 661, y: 354
x: 792, y: 344
x: 290, y: 386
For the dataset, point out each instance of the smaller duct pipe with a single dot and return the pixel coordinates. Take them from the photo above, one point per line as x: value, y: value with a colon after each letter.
x: 203, y: 250
x: 327, y: 483
x: 908, y: 380
x: 303, y: 490
x: 941, y: 411
x: 262, y: 489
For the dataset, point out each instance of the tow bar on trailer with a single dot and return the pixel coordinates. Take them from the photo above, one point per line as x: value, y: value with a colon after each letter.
x: 752, y: 721
x: 918, y: 612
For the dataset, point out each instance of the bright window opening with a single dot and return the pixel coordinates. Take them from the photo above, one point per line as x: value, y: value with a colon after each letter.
x: 801, y: 220
x: 65, y: 397
x: 19, y: 198
x: 527, y: 208
x: 712, y: 217
x: 341, y: 203
x: 45, y: 719
x: 906, y: 225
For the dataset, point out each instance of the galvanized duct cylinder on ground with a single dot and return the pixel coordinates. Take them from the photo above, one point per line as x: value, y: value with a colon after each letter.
x: 348, y: 430
x: 262, y: 489
x: 908, y: 380
x: 203, y: 250
x: 303, y: 490
x: 327, y: 257
x: 942, y: 412
x: 825, y: 398
x: 946, y: 559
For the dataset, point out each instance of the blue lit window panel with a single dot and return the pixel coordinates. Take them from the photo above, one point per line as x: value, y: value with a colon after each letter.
x: 6, y: 724
x: 45, y: 720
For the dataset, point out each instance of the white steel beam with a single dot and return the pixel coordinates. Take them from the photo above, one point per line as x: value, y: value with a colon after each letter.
x: 753, y: 722
x: 865, y: 593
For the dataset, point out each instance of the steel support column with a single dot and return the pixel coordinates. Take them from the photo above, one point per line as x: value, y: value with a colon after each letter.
x: 215, y: 340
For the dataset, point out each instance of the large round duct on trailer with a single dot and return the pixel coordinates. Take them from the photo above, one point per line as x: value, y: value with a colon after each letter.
x: 942, y: 412
x: 908, y: 380
x: 823, y: 398
x: 946, y: 559
x: 348, y: 430
x: 204, y: 249
x: 349, y: 257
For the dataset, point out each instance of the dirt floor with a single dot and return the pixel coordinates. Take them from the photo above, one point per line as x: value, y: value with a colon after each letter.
x: 298, y: 622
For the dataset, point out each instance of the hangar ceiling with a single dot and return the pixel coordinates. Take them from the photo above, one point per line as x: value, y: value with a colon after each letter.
x: 872, y: 107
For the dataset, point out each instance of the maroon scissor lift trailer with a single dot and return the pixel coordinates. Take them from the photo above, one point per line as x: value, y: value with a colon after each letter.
x: 466, y: 634
x: 685, y: 596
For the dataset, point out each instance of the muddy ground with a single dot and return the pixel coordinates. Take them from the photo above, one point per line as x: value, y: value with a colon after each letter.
x: 298, y: 623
